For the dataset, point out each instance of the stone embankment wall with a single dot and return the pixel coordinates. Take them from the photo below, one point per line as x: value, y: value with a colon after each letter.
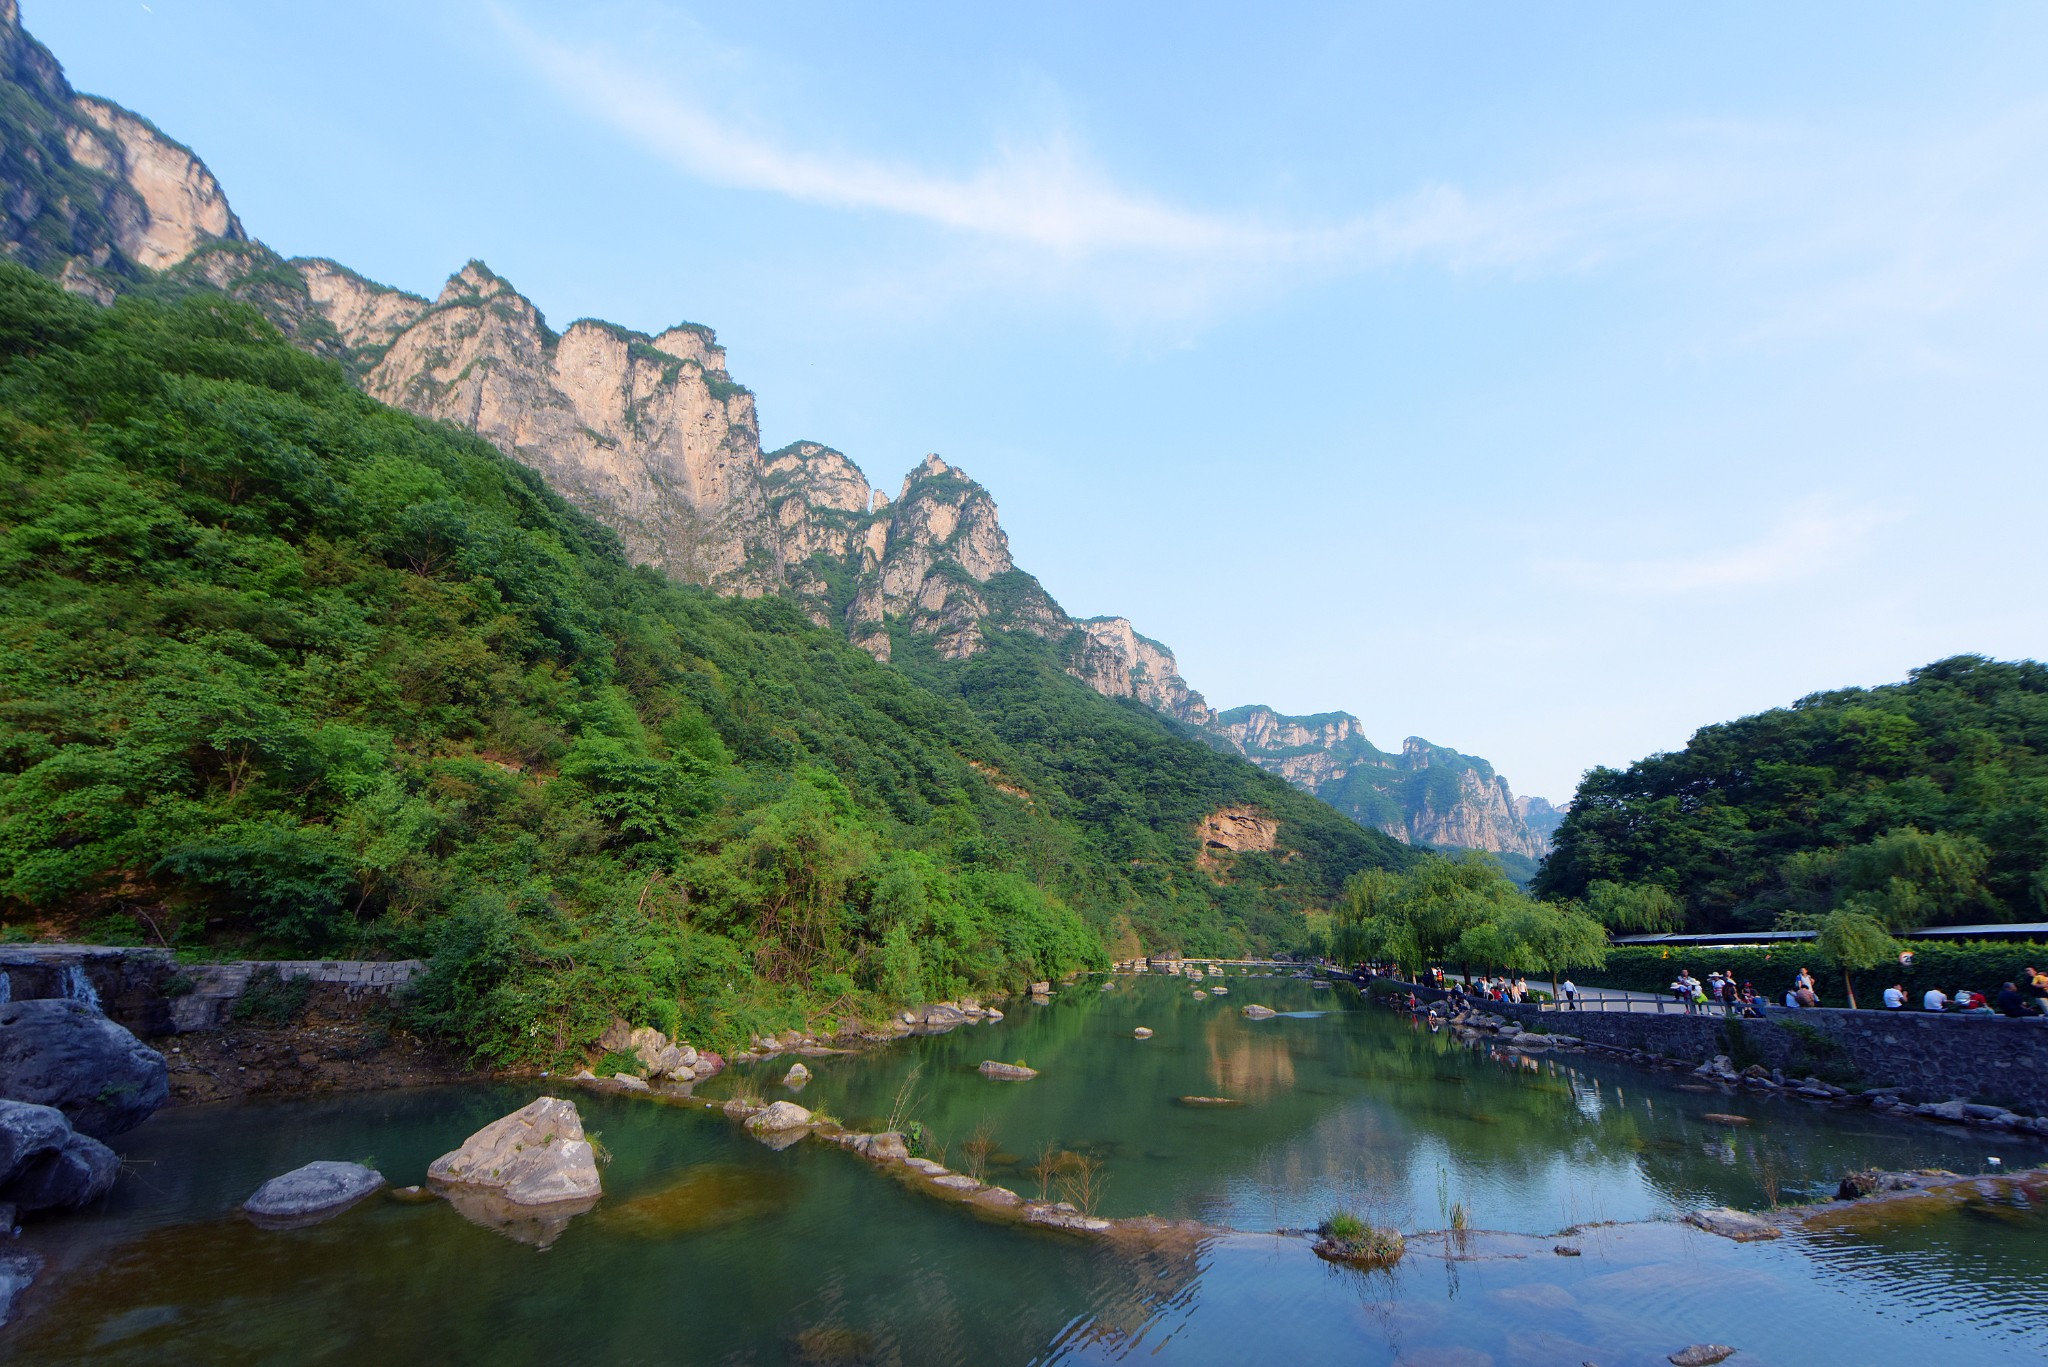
x: 150, y: 993
x: 1931, y: 1056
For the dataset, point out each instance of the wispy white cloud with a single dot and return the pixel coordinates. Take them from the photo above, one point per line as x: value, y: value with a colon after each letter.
x: 1794, y: 232
x: 1800, y: 545
x: 1045, y: 196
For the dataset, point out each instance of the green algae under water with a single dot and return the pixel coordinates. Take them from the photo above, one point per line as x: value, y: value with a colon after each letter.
x: 710, y: 1248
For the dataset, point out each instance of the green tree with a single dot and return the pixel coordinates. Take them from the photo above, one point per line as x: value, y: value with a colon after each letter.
x: 1852, y: 941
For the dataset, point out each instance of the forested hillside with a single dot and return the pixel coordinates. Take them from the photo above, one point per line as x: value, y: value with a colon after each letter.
x: 284, y: 670
x: 1918, y: 803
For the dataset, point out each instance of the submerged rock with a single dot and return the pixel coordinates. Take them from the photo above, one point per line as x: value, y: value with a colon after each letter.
x: 317, y: 1191
x: 45, y: 1164
x: 60, y: 1052
x: 533, y: 1157
x: 1210, y: 1101
x: 1255, y: 1012
x: 1007, y: 1072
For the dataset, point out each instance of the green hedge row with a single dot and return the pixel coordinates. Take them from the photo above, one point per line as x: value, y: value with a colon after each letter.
x: 1981, y: 965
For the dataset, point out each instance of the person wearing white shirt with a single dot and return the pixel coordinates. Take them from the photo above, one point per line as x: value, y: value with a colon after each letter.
x: 1894, y: 998
x: 1935, y: 1000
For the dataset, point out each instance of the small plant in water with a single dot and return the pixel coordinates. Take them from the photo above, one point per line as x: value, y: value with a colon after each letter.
x: 1461, y: 1219
x: 977, y: 1149
x: 1348, y: 1237
x: 1079, y: 1178
x: 906, y: 1095
x: 1047, y: 1166
x: 598, y: 1148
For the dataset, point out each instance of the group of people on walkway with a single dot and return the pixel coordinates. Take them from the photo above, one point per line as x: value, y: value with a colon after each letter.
x: 2027, y: 996
x: 1721, y: 993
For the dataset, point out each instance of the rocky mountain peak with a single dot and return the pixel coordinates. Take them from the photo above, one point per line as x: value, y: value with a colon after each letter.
x: 476, y: 281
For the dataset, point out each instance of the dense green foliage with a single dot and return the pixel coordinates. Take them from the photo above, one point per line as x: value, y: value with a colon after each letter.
x: 1919, y: 803
x: 1133, y: 786
x: 283, y: 670
x: 1981, y: 965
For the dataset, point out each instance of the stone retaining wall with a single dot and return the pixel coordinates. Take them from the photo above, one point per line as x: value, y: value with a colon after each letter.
x: 1933, y: 1057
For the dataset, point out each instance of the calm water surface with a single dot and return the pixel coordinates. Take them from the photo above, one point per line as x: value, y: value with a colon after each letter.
x: 710, y: 1248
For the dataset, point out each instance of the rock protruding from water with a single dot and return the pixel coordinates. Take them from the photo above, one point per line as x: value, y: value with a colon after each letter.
x: 783, y: 1115
x: 535, y: 1156
x: 1142, y: 1032
x: 317, y: 1191
x: 797, y: 1075
x: 1738, y: 1225
x: 45, y: 1164
x: 55, y: 1051
x: 1700, y: 1355
x: 1255, y: 1012
x: 1007, y: 1072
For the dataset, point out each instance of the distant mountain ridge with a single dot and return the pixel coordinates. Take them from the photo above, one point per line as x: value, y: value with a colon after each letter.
x: 650, y: 434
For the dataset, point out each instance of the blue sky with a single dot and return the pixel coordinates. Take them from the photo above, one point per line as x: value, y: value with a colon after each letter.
x: 1544, y: 379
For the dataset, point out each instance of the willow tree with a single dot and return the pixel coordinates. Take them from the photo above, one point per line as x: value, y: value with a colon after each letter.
x: 1417, y: 917
x: 1537, y: 937
x: 1850, y: 940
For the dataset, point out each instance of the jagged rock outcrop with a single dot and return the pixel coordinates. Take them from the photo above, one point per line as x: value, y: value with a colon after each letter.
x: 1117, y: 662
x: 649, y: 434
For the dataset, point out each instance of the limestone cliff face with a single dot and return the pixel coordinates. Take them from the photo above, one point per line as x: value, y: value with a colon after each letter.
x: 88, y: 191
x: 649, y: 434
x: 1114, y: 660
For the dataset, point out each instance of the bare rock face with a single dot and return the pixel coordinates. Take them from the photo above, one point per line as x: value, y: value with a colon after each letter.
x: 1117, y: 662
x: 535, y: 1156
x: 181, y: 204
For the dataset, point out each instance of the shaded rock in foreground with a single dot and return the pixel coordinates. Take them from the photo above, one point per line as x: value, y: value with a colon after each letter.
x: 18, y: 1268
x: 318, y: 1191
x: 45, y: 1164
x: 535, y: 1156
x: 55, y: 1051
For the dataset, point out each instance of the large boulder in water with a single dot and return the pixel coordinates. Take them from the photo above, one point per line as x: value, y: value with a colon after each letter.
x: 313, y: 1192
x: 45, y: 1164
x: 535, y: 1156
x: 59, y: 1052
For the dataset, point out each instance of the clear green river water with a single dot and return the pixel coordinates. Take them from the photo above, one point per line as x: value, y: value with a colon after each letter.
x: 710, y: 1248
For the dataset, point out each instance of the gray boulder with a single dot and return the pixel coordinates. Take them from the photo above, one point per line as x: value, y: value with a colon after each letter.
x: 45, y: 1164
x: 1255, y: 1012
x: 59, y: 1052
x: 318, y: 1190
